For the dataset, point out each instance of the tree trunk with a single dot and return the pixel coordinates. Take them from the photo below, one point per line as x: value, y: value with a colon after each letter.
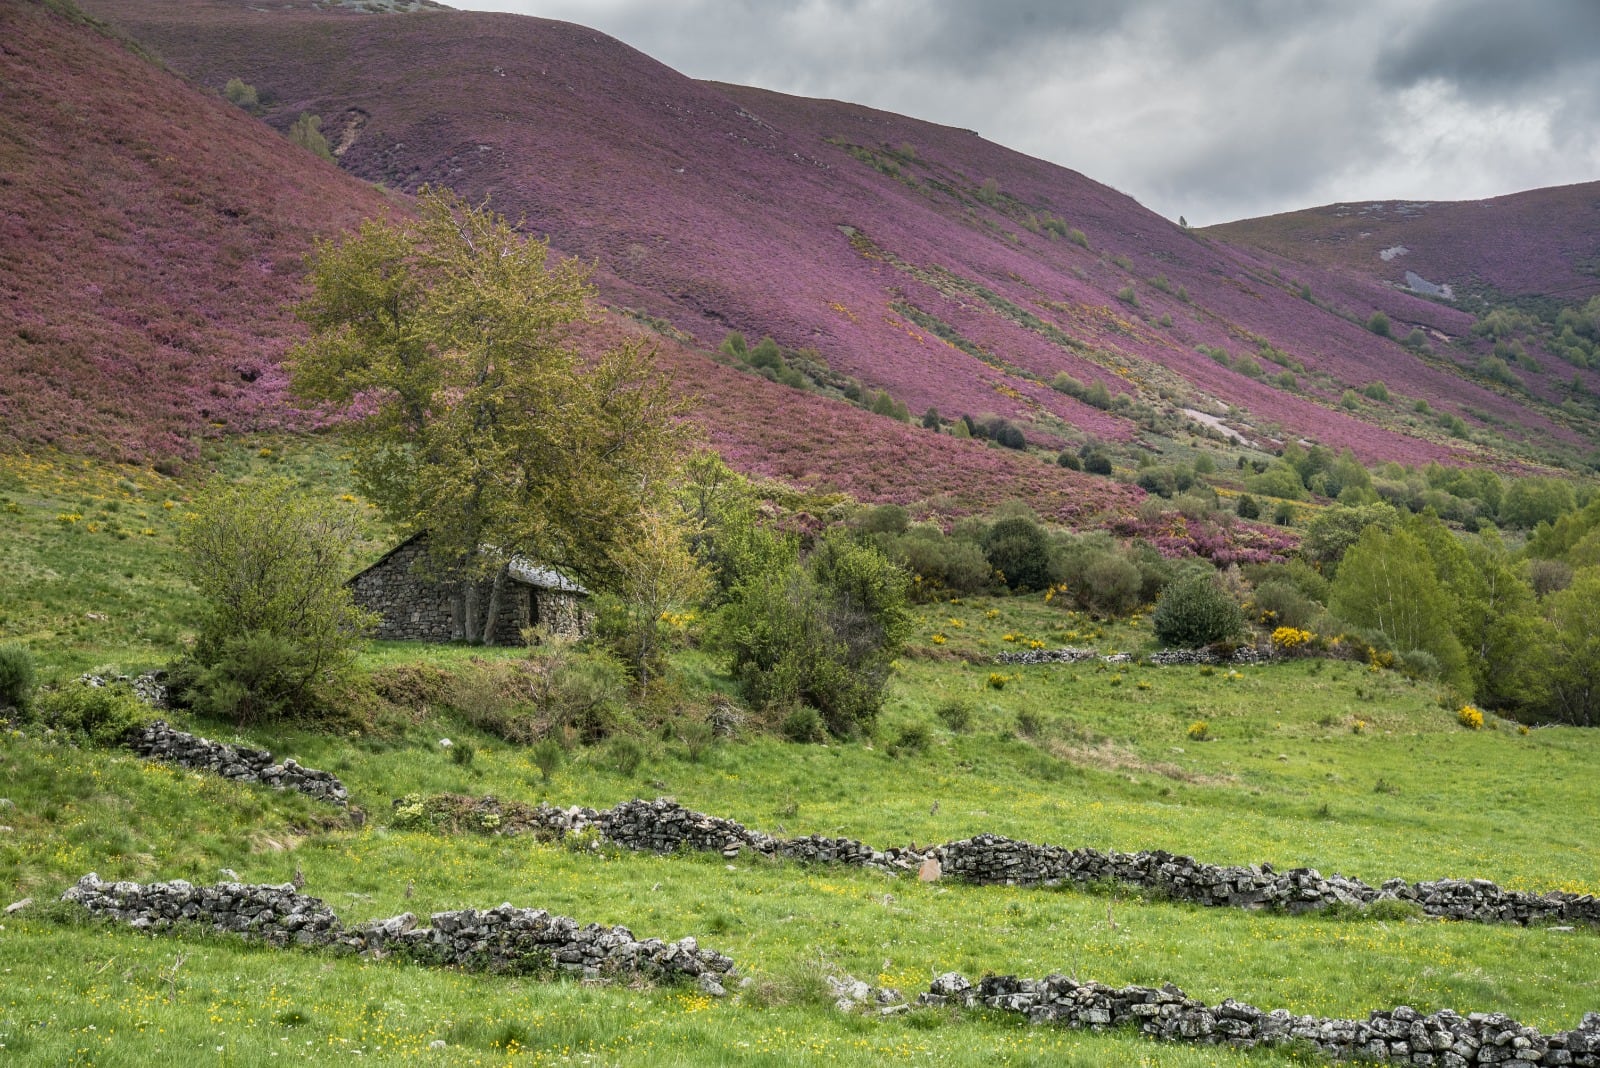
x: 469, y: 609
x: 492, y: 616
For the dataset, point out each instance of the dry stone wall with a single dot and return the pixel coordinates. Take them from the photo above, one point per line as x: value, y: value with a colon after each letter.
x: 501, y: 939
x: 1244, y: 654
x: 1401, y: 1035
x: 663, y: 826
x: 158, y: 741
x: 518, y: 940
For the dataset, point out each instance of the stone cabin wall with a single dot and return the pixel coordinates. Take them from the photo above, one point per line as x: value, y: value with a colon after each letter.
x: 413, y: 608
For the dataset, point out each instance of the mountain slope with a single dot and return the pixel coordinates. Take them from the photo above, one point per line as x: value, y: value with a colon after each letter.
x: 1542, y: 243
x: 154, y: 240
x: 151, y: 240
x: 920, y: 259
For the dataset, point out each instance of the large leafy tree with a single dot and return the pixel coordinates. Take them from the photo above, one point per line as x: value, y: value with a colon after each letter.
x: 1574, y: 677
x: 1388, y: 585
x: 449, y: 339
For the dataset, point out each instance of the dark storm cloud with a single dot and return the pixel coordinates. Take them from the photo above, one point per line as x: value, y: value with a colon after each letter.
x: 1492, y: 47
x: 1215, y: 109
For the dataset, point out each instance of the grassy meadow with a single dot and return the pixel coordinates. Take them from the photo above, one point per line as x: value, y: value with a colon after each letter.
x: 1316, y: 763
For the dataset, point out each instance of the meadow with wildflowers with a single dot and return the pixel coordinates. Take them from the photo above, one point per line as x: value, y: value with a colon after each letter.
x: 1333, y: 764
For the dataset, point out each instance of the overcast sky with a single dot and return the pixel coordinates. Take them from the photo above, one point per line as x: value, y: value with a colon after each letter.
x: 1212, y: 109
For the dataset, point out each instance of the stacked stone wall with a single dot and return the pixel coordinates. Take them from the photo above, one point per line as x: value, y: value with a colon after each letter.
x: 1401, y: 1035
x: 520, y: 940
x: 501, y: 939
x: 1244, y: 654
x: 989, y: 859
x: 158, y: 741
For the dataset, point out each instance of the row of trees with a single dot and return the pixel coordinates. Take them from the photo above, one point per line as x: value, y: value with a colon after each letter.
x: 1518, y: 633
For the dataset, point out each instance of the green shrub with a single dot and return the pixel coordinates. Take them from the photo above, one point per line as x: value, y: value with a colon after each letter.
x: 1157, y: 480
x: 1128, y: 296
x: 1016, y: 548
x: 697, y: 737
x: 1097, y: 463
x: 1196, y: 611
x: 556, y: 690
x: 1282, y: 603
x: 804, y: 725
x: 278, y: 624
x: 1419, y: 664
x: 766, y: 354
x: 1065, y: 383
x: 1379, y: 324
x: 548, y: 756
x: 17, y: 678
x: 251, y: 678
x: 956, y: 714
x: 912, y: 739
x: 582, y: 692
x: 1247, y: 508
x: 822, y: 633
x: 307, y: 133
x: 1005, y: 433
x: 943, y: 564
x: 100, y: 714
x: 241, y: 94
x: 1069, y: 460
x: 1111, y: 584
x: 625, y: 755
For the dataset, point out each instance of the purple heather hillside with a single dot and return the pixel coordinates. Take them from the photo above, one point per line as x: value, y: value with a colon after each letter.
x: 921, y: 259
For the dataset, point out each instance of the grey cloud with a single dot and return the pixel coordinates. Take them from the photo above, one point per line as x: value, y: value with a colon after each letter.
x: 1489, y: 46
x: 1214, y: 108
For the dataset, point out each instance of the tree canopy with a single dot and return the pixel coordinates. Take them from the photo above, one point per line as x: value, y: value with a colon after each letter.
x: 449, y: 340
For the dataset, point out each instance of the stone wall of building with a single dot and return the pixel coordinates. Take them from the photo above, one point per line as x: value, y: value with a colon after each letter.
x: 409, y: 607
x: 412, y: 607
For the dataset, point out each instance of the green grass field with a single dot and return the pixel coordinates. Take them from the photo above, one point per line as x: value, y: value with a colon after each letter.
x: 1324, y: 764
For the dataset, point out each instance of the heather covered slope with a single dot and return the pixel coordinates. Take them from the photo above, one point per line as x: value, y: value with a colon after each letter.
x: 153, y: 248
x: 1530, y: 256
x: 151, y: 240
x: 1541, y: 243
x: 920, y: 259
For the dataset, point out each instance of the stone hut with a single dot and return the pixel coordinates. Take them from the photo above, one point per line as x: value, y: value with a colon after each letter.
x: 413, y: 607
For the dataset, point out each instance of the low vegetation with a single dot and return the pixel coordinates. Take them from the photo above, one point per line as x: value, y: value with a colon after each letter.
x: 1324, y: 757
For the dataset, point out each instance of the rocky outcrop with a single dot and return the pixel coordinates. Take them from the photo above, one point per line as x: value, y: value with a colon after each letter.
x: 157, y: 741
